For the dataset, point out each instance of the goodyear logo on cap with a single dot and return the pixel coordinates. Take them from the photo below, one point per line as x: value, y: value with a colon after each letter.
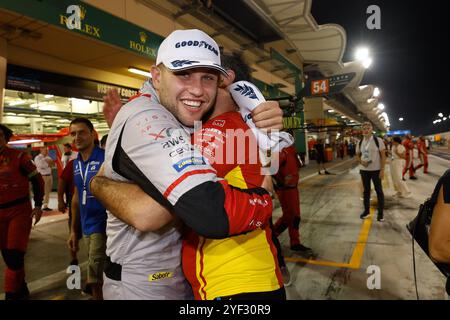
x: 160, y: 275
x: 186, y: 162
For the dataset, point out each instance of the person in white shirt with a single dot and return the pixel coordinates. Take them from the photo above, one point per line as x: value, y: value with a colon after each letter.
x: 68, y: 155
x: 397, y: 164
x: 44, y: 166
x: 372, y: 158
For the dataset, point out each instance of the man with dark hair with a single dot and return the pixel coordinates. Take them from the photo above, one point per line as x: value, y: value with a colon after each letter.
x: 86, y: 210
x: 235, y: 62
x: 16, y: 213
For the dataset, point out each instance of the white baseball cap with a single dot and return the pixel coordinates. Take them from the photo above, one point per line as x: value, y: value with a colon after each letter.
x: 187, y: 49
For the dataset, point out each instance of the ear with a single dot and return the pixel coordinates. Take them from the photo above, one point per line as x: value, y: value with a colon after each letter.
x: 226, y: 81
x: 156, y: 76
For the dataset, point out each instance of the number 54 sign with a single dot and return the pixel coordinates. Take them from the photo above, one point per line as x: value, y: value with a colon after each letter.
x: 320, y: 86
x: 327, y: 86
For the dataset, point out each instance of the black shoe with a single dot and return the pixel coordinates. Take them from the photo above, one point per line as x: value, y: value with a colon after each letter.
x: 380, y: 219
x: 403, y: 179
x: 74, y: 262
x: 413, y: 178
x: 47, y: 209
x: 23, y: 294
x: 320, y: 172
x: 326, y: 172
x: 300, y: 248
x: 364, y: 215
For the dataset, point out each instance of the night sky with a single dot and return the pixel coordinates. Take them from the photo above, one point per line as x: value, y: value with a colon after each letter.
x: 410, y: 62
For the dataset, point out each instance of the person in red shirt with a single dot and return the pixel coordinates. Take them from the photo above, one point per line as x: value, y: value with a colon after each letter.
x: 16, y: 213
x: 409, y: 158
x: 423, y: 155
x: 65, y: 190
x: 286, y: 187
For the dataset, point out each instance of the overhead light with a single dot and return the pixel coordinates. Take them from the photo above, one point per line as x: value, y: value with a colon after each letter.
x: 362, y: 54
x: 51, y: 117
x: 376, y: 92
x: 15, y: 103
x: 48, y: 96
x: 400, y: 119
x: 440, y: 114
x: 330, y: 110
x: 381, y: 106
x: 445, y: 118
x: 343, y: 117
x: 140, y: 72
x: 367, y: 63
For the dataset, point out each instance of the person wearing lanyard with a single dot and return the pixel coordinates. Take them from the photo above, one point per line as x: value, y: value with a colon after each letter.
x: 85, y: 208
x: 372, y: 159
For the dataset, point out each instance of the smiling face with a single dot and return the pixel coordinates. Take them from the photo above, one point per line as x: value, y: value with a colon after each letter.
x: 83, y: 137
x: 187, y: 94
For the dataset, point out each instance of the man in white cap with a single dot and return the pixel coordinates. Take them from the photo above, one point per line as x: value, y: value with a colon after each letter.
x: 149, y: 144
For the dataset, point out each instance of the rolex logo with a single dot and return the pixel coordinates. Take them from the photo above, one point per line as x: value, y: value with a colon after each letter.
x: 82, y: 12
x: 73, y: 21
x: 143, y: 36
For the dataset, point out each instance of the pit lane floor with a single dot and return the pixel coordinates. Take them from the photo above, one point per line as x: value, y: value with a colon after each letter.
x: 344, y: 245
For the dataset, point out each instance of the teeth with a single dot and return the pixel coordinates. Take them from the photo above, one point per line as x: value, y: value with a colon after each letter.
x: 192, y: 103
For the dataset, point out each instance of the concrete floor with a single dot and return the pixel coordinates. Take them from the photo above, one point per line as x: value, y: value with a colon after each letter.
x: 344, y: 245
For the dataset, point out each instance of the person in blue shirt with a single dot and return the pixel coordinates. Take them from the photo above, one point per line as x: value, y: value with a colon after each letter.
x: 85, y: 208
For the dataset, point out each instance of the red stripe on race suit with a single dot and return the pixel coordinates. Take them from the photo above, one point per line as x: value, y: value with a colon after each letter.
x: 184, y: 176
x: 240, y: 218
x: 148, y: 95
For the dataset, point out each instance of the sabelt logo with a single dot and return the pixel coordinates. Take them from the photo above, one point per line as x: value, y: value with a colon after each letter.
x: 160, y: 275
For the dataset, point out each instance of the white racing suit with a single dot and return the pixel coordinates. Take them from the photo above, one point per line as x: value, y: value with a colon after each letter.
x: 147, y: 145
